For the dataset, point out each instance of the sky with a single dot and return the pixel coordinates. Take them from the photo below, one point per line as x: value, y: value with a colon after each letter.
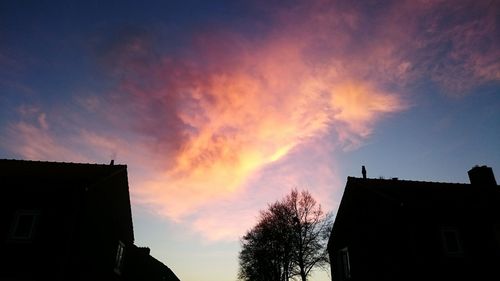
x: 219, y: 108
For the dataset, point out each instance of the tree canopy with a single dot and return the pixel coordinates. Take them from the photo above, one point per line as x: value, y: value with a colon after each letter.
x: 288, y: 241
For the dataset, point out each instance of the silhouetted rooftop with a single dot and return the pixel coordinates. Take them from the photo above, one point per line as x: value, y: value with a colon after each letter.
x: 423, y: 193
x: 107, y: 182
x: 65, y: 171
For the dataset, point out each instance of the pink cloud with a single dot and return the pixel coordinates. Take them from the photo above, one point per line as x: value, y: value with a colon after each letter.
x: 232, y: 123
x: 455, y: 43
x: 34, y: 141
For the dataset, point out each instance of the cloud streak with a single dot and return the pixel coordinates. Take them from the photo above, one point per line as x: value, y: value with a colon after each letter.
x: 215, y: 125
x: 231, y: 116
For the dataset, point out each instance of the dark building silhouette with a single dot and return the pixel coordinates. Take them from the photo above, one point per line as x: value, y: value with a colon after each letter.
x: 68, y: 221
x: 411, y: 230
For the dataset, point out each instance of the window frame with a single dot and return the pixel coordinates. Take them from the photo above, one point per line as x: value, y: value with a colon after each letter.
x: 14, y: 234
x: 455, y: 233
x: 120, y: 254
x: 345, y: 263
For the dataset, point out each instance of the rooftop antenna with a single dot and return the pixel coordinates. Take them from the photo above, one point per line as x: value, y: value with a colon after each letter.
x: 363, y: 171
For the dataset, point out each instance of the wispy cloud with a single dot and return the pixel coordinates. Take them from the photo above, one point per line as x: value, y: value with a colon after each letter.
x: 229, y: 117
x: 454, y: 43
x: 35, y: 141
x: 214, y: 130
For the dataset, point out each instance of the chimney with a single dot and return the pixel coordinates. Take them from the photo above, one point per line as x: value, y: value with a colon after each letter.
x: 144, y: 250
x: 482, y: 175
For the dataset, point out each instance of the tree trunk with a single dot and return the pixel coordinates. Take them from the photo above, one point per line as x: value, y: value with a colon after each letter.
x: 303, y: 274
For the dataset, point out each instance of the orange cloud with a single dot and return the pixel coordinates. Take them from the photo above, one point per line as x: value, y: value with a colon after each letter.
x: 203, y: 129
x: 360, y: 105
x: 250, y: 114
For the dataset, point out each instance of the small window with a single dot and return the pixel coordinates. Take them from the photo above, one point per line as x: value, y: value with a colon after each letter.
x: 452, y: 244
x: 24, y: 224
x: 497, y: 234
x: 119, y: 257
x: 345, y: 264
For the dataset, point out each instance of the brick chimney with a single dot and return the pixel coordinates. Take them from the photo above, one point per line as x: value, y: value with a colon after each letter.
x: 482, y: 176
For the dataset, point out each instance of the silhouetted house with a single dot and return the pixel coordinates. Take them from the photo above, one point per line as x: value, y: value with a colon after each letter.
x: 68, y: 221
x: 141, y: 266
x: 411, y: 230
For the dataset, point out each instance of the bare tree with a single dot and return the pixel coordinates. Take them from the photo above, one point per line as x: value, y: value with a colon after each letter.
x: 311, y: 230
x: 289, y: 240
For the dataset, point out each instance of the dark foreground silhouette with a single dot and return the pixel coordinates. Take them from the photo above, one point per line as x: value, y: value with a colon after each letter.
x: 68, y: 221
x: 409, y: 230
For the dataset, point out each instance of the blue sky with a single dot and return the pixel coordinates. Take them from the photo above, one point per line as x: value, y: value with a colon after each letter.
x: 221, y: 107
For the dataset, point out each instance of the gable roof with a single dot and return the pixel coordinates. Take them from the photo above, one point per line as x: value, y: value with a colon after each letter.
x: 368, y: 195
x: 65, y: 171
x: 420, y: 193
x: 19, y: 176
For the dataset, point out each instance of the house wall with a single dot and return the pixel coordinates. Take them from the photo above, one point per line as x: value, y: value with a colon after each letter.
x: 78, y: 226
x: 106, y: 221
x: 44, y: 256
x: 388, y: 240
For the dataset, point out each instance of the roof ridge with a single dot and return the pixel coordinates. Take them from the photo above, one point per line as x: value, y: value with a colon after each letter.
x: 411, y: 181
x: 60, y: 162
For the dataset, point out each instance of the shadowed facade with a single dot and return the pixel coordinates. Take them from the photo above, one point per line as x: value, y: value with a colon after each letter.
x: 69, y: 221
x: 411, y: 230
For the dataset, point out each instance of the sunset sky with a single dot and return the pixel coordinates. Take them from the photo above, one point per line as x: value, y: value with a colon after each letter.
x: 221, y: 107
